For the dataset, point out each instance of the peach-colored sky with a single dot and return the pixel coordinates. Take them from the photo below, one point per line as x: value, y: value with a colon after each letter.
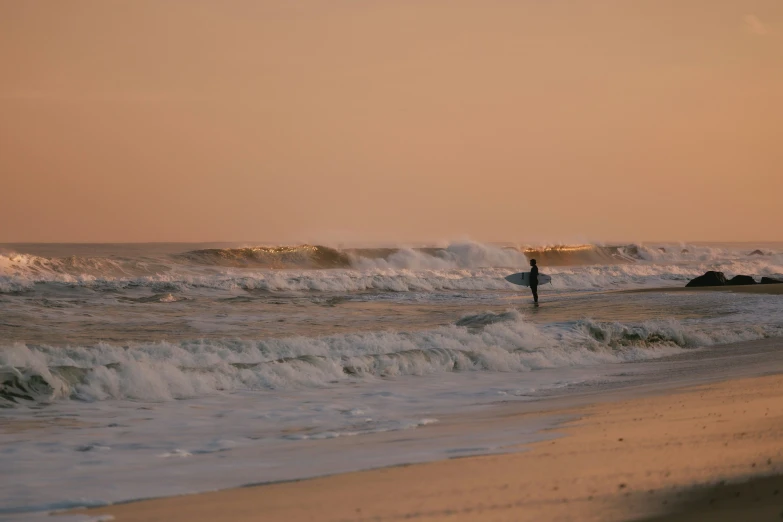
x: 404, y: 120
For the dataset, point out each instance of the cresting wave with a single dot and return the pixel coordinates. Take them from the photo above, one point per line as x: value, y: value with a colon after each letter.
x: 304, y: 256
x: 456, y: 255
x: 460, y: 266
x: 172, y: 285
x: 160, y: 371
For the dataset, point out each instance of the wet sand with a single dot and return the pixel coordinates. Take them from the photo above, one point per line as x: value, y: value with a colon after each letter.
x: 774, y: 289
x: 711, y: 452
x: 15, y: 426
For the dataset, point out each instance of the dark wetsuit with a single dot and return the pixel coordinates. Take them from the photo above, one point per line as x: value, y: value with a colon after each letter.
x: 534, y: 282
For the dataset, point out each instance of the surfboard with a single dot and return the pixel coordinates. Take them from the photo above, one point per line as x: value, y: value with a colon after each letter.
x: 523, y: 279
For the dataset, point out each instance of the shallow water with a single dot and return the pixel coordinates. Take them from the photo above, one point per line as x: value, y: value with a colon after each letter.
x: 137, y: 370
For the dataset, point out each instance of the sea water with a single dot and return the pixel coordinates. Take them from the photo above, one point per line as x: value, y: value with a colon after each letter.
x: 131, y: 371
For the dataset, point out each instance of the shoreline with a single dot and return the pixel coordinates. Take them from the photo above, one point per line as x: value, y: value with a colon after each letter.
x: 772, y: 289
x: 621, y: 460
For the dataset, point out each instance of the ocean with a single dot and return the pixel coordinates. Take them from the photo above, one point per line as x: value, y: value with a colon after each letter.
x: 137, y: 370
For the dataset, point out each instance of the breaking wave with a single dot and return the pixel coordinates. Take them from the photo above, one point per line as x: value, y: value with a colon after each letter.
x: 304, y: 256
x: 570, y: 255
x: 505, y: 342
x: 460, y: 266
x: 458, y: 255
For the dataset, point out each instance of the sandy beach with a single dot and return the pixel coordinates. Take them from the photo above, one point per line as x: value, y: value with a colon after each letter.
x: 711, y: 450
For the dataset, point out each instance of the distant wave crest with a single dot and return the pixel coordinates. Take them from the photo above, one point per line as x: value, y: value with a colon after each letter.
x: 303, y: 256
x: 459, y: 266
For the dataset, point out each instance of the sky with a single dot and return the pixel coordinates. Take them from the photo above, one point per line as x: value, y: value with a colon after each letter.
x: 379, y: 121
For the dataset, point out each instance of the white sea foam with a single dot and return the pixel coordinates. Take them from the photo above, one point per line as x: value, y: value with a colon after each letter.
x: 162, y: 371
x: 460, y: 266
x: 465, y: 267
x: 455, y: 256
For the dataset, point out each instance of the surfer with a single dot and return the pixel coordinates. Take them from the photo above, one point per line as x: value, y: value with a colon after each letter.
x: 534, y: 280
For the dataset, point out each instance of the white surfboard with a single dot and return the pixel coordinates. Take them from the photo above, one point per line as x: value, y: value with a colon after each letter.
x: 523, y: 279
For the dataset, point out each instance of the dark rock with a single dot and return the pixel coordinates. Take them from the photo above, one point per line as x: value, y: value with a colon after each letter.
x: 770, y: 281
x: 684, y: 251
x: 711, y: 278
x: 662, y: 249
x: 757, y: 253
x: 740, y: 280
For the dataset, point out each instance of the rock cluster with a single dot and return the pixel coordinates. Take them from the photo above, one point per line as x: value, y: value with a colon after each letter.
x: 713, y: 278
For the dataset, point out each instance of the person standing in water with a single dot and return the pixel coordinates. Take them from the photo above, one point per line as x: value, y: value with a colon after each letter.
x: 534, y: 280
